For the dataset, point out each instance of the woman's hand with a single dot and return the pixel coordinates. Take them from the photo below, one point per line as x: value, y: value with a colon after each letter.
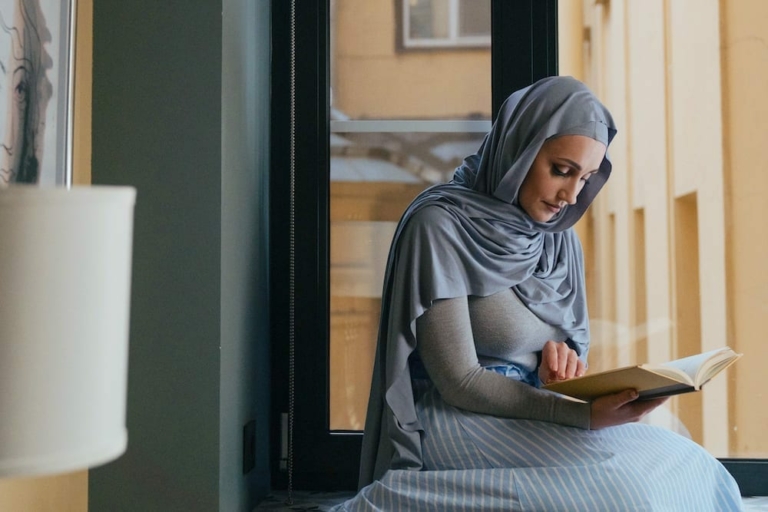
x: 559, y: 362
x: 620, y: 408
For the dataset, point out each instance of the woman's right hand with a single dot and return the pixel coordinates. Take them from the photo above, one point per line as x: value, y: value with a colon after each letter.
x: 620, y: 408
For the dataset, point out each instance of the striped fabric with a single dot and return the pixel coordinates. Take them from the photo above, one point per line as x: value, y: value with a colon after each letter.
x: 480, y: 462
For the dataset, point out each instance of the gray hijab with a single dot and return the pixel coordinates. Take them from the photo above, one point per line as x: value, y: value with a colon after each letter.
x: 470, y: 237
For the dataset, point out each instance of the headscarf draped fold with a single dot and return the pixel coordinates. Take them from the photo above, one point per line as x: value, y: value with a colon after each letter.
x: 471, y: 237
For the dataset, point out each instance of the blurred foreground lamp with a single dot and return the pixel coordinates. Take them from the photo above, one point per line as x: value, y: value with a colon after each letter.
x: 65, y: 272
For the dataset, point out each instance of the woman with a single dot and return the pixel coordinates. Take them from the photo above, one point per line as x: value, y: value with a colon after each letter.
x: 483, y: 300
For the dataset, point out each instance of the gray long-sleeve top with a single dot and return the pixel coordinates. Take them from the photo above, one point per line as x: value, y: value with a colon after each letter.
x: 457, y: 337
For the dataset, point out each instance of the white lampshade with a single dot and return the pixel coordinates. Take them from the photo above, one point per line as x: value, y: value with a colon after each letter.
x: 65, y: 271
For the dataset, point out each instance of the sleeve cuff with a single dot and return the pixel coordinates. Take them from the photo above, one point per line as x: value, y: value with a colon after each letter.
x: 572, y: 413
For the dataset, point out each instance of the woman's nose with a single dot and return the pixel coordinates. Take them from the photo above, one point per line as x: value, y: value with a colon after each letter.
x: 569, y: 193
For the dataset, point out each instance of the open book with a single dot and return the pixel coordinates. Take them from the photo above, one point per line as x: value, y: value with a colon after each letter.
x: 650, y: 380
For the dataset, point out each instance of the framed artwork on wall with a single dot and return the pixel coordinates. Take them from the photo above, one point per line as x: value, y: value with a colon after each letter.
x: 36, y: 86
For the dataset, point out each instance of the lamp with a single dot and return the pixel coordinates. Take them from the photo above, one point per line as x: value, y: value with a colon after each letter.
x: 65, y: 270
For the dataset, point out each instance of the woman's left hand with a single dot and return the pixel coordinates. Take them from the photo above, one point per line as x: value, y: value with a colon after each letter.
x: 559, y: 362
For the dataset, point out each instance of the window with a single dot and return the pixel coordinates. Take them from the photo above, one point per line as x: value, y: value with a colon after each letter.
x: 400, y: 122
x: 326, y: 445
x: 641, y: 297
x: 446, y: 23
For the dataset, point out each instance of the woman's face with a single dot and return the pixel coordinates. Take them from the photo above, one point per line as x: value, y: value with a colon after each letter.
x: 559, y: 172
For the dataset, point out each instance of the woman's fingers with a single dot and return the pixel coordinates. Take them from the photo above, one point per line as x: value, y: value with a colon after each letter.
x: 610, y: 410
x: 621, y: 399
x: 643, y: 407
x: 559, y: 362
x: 549, y: 362
x: 571, y: 366
x: 549, y: 356
x: 621, y: 408
x: 581, y: 368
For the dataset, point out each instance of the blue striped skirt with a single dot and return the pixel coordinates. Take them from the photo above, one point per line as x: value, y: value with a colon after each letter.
x: 480, y: 462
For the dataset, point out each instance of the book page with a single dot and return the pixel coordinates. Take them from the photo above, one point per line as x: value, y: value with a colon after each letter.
x: 692, y: 364
x: 669, y: 371
x: 716, y: 365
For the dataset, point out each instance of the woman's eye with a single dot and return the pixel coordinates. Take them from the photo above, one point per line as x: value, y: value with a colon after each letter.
x: 559, y: 172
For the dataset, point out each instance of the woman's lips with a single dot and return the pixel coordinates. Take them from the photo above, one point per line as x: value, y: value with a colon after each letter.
x: 551, y: 207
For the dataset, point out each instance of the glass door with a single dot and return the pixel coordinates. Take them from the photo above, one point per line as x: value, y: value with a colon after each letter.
x: 389, y: 98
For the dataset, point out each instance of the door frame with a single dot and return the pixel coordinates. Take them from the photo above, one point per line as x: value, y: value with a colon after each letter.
x: 524, y: 49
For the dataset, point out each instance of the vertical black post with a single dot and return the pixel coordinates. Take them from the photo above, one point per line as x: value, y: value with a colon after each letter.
x: 322, y: 460
x: 279, y: 240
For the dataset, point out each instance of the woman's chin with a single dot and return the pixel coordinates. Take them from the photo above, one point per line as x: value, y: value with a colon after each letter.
x: 543, y: 216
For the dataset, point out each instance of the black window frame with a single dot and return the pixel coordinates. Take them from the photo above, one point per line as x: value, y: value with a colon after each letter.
x: 523, y: 50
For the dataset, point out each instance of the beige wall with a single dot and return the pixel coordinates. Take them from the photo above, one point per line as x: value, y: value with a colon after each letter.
x: 745, y: 126
x: 68, y: 492
x: 63, y: 493
x: 570, y: 14
x: 686, y: 82
x: 372, y: 79
x: 646, y: 104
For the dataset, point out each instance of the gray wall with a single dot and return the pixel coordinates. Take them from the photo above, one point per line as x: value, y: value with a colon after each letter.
x: 244, y: 251
x: 197, y: 367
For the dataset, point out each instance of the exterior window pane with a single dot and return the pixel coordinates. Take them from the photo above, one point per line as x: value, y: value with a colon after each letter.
x: 445, y: 23
x: 374, y: 176
x: 429, y: 19
x: 400, y: 122
x: 474, y: 17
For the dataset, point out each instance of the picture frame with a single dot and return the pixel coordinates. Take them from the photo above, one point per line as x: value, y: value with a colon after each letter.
x: 36, y: 91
